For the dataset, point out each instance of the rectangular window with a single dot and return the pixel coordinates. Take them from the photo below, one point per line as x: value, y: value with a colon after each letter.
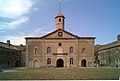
x: 117, y: 61
x: 83, y: 50
x: 71, y: 49
x: 8, y: 62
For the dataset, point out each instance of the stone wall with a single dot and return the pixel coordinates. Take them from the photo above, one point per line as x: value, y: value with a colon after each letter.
x: 9, y: 58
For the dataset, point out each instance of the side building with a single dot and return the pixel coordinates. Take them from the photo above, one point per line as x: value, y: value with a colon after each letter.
x: 10, y: 55
x: 59, y: 48
x: 109, y: 54
x: 22, y: 49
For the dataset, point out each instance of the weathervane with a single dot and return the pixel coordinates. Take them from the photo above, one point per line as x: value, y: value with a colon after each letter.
x: 60, y: 1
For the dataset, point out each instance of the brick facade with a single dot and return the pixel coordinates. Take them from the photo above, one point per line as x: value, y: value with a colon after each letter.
x: 59, y: 48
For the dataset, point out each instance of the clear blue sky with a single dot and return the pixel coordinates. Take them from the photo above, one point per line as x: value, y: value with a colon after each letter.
x: 97, y: 18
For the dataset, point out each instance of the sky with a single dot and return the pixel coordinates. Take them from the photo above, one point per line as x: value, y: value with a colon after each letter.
x: 85, y: 18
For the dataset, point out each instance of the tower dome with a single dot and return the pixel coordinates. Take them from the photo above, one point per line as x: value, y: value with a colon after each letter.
x: 59, y: 15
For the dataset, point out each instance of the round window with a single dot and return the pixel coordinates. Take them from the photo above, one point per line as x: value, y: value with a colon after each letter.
x: 59, y: 44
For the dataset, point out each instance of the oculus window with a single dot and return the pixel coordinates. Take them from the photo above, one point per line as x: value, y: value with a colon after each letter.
x: 60, y: 34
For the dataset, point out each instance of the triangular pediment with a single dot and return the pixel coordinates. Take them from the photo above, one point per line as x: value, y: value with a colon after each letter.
x: 60, y: 34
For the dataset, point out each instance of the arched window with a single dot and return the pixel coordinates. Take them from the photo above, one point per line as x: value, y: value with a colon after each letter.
x: 59, y: 20
x: 71, y: 60
x: 36, y: 64
x: 71, y: 49
x: 48, y: 50
x: 36, y: 50
x: 48, y: 61
x: 83, y: 50
x: 117, y: 61
x: 83, y: 63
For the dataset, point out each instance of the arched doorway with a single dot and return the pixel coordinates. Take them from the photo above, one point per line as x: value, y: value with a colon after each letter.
x: 83, y: 63
x: 60, y: 63
x: 36, y: 64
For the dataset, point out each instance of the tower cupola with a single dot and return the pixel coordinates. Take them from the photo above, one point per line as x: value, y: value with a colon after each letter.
x: 60, y: 21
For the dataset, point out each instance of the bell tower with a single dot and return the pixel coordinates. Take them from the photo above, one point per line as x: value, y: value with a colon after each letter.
x: 60, y: 21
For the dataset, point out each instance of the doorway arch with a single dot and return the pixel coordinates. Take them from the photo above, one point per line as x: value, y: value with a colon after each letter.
x: 36, y: 64
x: 60, y: 63
x: 83, y: 63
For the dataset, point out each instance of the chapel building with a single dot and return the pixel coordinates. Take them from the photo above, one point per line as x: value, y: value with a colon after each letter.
x: 60, y: 48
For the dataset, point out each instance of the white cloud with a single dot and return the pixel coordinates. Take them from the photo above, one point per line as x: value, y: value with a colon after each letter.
x: 14, y: 24
x: 15, y: 11
x: 63, y: 0
x: 39, y: 29
x: 15, y: 40
x: 20, y: 37
x: 2, y: 31
x: 35, y: 9
x: 14, y: 8
x: 20, y: 21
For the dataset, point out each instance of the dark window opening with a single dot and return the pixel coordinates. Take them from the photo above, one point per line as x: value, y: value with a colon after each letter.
x: 59, y: 44
x: 83, y: 63
x: 8, y: 62
x: 48, y: 61
x: 59, y: 20
x: 17, y: 63
x: 71, y: 60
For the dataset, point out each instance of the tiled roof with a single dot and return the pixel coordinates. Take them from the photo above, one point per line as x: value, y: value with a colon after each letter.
x: 5, y: 45
x: 110, y: 45
x: 21, y: 48
x: 59, y: 15
x: 63, y: 31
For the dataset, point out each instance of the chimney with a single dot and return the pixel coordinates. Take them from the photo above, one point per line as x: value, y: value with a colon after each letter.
x: 118, y: 37
x: 8, y: 43
x: 21, y: 45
